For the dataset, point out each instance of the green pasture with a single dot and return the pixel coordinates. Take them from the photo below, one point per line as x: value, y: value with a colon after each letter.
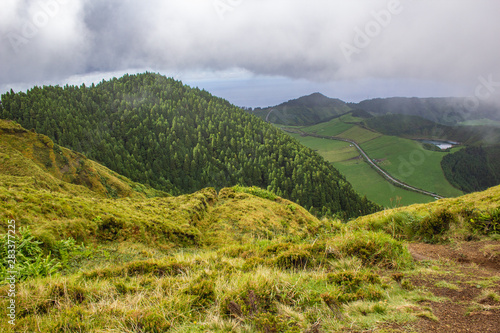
x: 331, y: 150
x: 404, y: 159
x: 359, y: 134
x: 367, y: 181
x: 348, y: 118
x: 363, y: 178
x: 409, y: 162
x: 329, y: 128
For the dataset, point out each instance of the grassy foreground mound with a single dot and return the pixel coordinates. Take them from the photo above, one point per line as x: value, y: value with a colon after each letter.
x: 456, y: 219
x: 240, y: 260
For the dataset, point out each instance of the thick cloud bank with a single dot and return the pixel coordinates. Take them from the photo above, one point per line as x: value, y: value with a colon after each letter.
x: 446, y: 41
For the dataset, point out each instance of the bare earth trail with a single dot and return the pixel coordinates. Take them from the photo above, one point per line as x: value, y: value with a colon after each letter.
x: 473, y: 270
x: 382, y: 172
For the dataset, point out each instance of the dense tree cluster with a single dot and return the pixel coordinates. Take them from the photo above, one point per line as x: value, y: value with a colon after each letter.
x: 157, y: 131
x: 473, y: 168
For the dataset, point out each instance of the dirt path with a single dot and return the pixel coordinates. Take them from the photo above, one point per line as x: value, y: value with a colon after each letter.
x: 464, y: 275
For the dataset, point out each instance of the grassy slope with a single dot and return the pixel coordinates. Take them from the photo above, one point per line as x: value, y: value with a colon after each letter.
x: 463, y: 213
x: 367, y: 181
x: 332, y: 127
x: 269, y: 267
x: 359, y: 134
x: 189, y: 263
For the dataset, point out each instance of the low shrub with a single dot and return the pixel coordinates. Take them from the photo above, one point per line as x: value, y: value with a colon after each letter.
x: 352, y: 280
x: 350, y: 286
x: 146, y: 321
x: 74, y: 319
x: 256, y: 191
x: 401, y: 225
x: 373, y: 248
x: 484, y: 222
x: 268, y: 322
x: 73, y: 293
x: 109, y: 227
x: 203, y: 292
x: 145, y: 267
x: 433, y: 226
x: 295, y: 258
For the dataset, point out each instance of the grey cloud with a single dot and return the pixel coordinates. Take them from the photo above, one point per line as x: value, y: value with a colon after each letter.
x: 444, y: 41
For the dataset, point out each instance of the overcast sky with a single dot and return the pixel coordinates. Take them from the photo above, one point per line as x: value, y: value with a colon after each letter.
x: 259, y: 52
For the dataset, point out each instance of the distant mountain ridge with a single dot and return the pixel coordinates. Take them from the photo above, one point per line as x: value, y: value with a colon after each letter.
x: 442, y: 110
x: 317, y: 108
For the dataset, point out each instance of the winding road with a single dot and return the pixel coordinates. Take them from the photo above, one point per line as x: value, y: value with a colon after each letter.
x: 381, y: 171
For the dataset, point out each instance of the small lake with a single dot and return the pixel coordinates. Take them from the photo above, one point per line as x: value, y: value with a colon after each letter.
x: 441, y: 144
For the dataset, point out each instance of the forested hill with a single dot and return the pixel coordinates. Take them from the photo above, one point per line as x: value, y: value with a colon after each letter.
x: 303, y: 111
x: 159, y: 132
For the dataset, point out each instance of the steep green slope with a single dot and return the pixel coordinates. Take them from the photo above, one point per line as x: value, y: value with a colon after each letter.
x: 159, y: 132
x: 306, y: 110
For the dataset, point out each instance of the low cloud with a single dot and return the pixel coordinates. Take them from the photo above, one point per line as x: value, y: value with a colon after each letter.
x: 449, y: 41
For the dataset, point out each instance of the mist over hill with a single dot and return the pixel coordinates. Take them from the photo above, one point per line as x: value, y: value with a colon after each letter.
x: 446, y: 110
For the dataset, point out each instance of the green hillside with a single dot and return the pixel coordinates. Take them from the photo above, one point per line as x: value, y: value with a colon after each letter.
x: 306, y: 110
x: 409, y: 161
x: 157, y: 131
x: 363, y: 178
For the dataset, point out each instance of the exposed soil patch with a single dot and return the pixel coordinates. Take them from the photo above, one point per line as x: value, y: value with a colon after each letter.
x: 452, y: 318
x: 485, y: 254
x: 462, y: 274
